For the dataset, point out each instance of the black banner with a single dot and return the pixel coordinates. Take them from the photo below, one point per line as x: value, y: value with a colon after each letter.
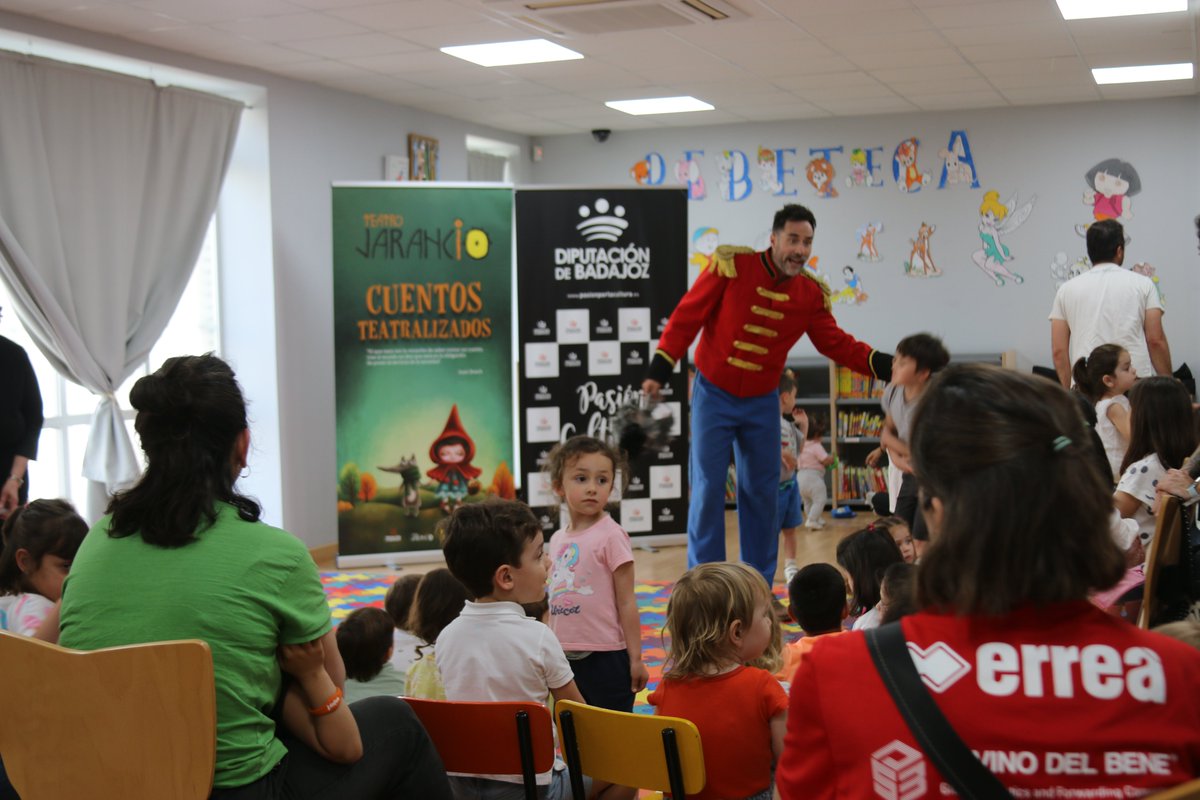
x: 599, y: 271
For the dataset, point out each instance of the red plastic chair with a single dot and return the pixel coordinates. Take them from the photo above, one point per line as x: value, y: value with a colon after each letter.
x: 490, y: 738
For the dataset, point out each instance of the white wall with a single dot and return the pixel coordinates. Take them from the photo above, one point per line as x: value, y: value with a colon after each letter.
x: 1042, y: 150
x: 315, y: 136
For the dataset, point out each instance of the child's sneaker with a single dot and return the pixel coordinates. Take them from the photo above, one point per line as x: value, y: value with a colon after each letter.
x: 789, y: 570
x: 815, y: 525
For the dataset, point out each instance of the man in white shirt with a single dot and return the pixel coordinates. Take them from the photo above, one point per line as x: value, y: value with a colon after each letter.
x: 1108, y: 304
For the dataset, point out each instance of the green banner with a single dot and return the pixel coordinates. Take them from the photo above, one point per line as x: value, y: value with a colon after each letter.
x: 423, y: 358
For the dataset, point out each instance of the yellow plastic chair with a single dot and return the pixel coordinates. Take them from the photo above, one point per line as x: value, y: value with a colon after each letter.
x: 1184, y: 791
x: 657, y: 753
x: 112, y: 724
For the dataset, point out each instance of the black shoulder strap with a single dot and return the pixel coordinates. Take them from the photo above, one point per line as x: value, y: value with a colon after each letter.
x: 954, y: 760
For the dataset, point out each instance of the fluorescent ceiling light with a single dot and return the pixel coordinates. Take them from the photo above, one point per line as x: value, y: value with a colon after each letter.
x: 1089, y: 9
x: 1143, y: 74
x: 660, y: 105
x: 503, y: 54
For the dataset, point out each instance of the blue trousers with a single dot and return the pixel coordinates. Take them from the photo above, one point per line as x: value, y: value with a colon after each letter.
x: 750, y: 425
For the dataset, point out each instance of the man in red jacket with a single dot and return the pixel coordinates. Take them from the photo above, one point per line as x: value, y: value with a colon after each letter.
x: 749, y: 308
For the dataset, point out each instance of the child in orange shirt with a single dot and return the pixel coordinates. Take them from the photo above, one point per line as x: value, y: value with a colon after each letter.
x: 724, y: 644
x: 817, y: 602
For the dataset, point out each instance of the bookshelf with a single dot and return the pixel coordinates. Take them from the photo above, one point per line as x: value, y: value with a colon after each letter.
x: 855, y: 399
x: 848, y: 406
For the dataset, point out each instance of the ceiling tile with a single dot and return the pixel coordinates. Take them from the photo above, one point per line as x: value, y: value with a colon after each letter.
x: 931, y: 57
x: 482, y: 32
x: 417, y: 61
x: 408, y: 15
x: 862, y: 23
x: 911, y: 74
x: 1041, y: 95
x: 819, y: 95
x: 216, y: 10
x: 940, y: 86
x: 289, y: 27
x: 725, y: 38
x: 356, y: 44
x: 994, y: 12
x: 1031, y: 66
x: 955, y: 100
x: 868, y: 106
x: 851, y: 46
x: 114, y: 19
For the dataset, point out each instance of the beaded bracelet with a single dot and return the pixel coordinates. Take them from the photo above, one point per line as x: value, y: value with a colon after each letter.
x: 329, y: 706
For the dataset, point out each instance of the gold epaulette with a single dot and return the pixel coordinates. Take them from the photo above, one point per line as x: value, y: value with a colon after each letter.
x: 819, y: 280
x: 722, y: 260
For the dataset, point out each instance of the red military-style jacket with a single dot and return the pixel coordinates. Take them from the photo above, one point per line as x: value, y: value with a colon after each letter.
x: 749, y: 314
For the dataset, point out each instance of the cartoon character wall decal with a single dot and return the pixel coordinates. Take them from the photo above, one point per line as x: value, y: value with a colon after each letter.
x: 768, y: 171
x: 1062, y: 268
x: 687, y: 172
x: 957, y: 172
x: 452, y: 452
x: 920, y: 260
x: 1142, y: 268
x: 859, y: 175
x: 1110, y: 185
x: 854, y: 293
x: 908, y: 176
x: 866, y: 234
x: 996, y: 219
x: 704, y: 246
x: 640, y: 172
x: 820, y: 174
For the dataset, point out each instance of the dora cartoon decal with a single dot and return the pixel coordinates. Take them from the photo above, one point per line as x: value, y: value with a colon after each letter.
x: 452, y: 452
x: 704, y: 246
x: 1110, y: 185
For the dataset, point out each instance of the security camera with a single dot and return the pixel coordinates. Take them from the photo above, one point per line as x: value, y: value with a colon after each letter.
x: 601, y: 134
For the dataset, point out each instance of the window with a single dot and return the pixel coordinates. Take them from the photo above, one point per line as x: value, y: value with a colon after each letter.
x: 67, y: 406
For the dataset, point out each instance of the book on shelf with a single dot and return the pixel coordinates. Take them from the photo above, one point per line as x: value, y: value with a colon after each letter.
x: 856, y: 482
x: 859, y: 423
x: 852, y: 384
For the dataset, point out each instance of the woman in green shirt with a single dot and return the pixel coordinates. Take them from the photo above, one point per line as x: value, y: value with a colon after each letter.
x: 183, y: 555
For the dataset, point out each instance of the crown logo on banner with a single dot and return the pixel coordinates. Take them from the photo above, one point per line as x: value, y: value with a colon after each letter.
x: 603, y: 225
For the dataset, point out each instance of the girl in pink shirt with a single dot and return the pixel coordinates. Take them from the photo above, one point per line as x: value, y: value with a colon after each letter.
x: 593, y: 611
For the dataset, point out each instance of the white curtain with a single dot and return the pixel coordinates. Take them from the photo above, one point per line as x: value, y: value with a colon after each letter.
x: 485, y: 166
x: 107, y: 187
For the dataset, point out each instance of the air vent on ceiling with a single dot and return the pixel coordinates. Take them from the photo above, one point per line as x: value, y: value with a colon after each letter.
x: 586, y: 17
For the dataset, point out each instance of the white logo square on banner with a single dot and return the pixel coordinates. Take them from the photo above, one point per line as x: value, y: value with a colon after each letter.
x: 541, y: 360
x: 541, y: 424
x: 635, y: 516
x: 677, y: 418
x: 573, y: 325
x: 541, y: 493
x: 633, y: 324
x: 665, y: 482
x: 604, y: 358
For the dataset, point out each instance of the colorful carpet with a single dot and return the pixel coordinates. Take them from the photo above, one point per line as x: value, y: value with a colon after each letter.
x: 350, y: 590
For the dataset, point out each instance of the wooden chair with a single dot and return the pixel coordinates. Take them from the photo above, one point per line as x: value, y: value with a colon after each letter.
x: 490, y: 738
x: 112, y: 724
x: 1184, y: 791
x: 1164, y: 553
x: 657, y: 753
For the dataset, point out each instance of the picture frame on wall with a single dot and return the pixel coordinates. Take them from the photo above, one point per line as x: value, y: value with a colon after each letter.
x: 422, y: 158
x: 395, y: 168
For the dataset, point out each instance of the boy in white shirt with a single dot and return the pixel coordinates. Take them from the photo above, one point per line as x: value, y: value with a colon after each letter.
x: 493, y: 651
